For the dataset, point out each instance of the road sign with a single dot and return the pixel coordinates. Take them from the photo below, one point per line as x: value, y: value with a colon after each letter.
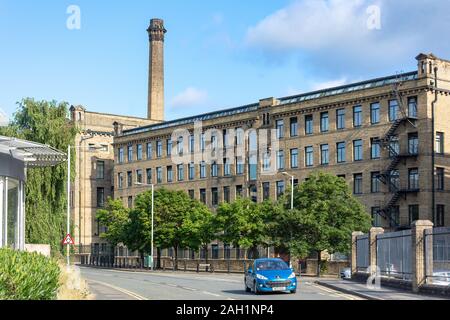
x: 68, y: 240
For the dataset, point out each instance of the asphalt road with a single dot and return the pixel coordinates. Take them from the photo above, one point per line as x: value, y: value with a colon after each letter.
x: 128, y: 285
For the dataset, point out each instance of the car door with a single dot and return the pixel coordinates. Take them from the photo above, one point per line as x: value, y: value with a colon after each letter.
x: 249, y: 276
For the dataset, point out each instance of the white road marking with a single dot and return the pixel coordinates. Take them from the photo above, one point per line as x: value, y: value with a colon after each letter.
x: 211, y: 294
x: 129, y: 293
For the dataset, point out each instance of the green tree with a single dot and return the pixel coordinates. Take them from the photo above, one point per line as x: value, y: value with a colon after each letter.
x: 114, y: 218
x: 46, y: 188
x: 243, y: 224
x: 179, y: 222
x: 325, y: 215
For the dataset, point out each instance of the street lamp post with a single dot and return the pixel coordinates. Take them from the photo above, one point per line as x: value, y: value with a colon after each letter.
x: 152, y: 213
x: 292, y: 189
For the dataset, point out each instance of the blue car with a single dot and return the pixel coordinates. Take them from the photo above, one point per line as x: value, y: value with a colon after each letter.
x: 270, y: 275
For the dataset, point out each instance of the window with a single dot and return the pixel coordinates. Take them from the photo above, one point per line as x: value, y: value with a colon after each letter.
x: 130, y: 202
x: 357, y: 116
x: 253, y: 167
x: 294, y: 158
x: 439, y: 142
x: 280, y: 129
x: 159, y: 149
x: 309, y: 125
x: 239, y: 166
x: 139, y: 176
x: 214, y: 197
x: 149, y: 151
x: 394, y: 147
x: 159, y: 178
x: 202, y: 170
x: 376, y: 218
x: 357, y: 150
x: 203, y: 195
x: 280, y: 160
x: 412, y: 107
x: 239, y: 191
x: 169, y: 147
x: 92, y: 147
x: 340, y: 119
x: 214, y: 170
x: 130, y: 179
x: 191, y: 194
x: 149, y: 176
x: 280, y: 189
x: 191, y: 143
x: 139, y: 152
x: 239, y: 136
x: 100, y: 197
x: 180, y: 145
x: 180, y: 172
x: 413, y: 143
x: 342, y: 176
x: 341, y: 152
x: 375, y: 148
x: 169, y: 174
x: 394, y: 180
x: 440, y: 175
x: 266, y: 191
x: 375, y: 182
x: 357, y: 183
x: 413, y: 180
x: 324, y: 122
x: 309, y: 156
x: 191, y: 171
x: 440, y: 214
x: 395, y: 215
x: 100, y: 169
x: 324, y: 154
x: 120, y: 180
x: 266, y: 161
x: 294, y: 127
x: 130, y: 153
x: 393, y: 110
x: 375, y: 113
x: 226, y: 139
x: 226, y: 168
x: 214, y: 143
x: 226, y: 194
x: 202, y: 142
x: 413, y: 213
x: 120, y: 155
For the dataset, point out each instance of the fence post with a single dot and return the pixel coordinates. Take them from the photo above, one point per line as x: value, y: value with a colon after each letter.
x: 418, y: 253
x: 354, y: 265
x: 373, y: 233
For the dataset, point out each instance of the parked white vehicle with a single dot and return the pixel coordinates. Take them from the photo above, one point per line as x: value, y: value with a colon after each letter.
x: 441, y: 278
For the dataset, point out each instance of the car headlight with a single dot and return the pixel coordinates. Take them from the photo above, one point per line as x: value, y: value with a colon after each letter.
x: 261, y: 277
x: 292, y: 275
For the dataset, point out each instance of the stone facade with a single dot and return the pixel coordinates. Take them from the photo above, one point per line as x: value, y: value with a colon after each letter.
x: 374, y: 97
x: 94, y: 167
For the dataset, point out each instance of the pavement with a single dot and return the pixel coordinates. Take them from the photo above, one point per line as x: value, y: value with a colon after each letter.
x: 113, y: 284
x: 361, y: 290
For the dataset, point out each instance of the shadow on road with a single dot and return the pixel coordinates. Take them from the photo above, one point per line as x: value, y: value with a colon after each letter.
x: 243, y: 292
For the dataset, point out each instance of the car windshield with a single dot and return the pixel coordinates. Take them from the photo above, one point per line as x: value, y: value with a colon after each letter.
x: 271, y: 265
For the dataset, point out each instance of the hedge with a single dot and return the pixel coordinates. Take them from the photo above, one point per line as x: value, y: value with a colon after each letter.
x: 27, y: 276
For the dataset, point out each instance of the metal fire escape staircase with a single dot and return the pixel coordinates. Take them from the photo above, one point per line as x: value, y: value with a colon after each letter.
x: 386, y: 176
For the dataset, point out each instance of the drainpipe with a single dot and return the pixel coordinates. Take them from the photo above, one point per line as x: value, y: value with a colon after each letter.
x: 433, y: 147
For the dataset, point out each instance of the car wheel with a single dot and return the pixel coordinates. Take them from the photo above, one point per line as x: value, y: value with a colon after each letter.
x: 247, y: 289
x: 255, y: 288
x: 294, y: 291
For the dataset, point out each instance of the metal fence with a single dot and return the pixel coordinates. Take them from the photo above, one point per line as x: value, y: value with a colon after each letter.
x: 394, y: 254
x: 362, y: 253
x: 437, y: 264
x: 218, y: 253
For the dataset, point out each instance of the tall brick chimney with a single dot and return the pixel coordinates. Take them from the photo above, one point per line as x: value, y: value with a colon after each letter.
x: 155, y: 105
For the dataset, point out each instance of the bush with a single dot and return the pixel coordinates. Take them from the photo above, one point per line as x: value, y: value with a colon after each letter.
x: 27, y: 276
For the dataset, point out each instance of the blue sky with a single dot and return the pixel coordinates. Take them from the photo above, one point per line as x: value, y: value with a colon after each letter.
x: 219, y: 54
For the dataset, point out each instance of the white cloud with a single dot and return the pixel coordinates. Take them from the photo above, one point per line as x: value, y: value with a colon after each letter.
x: 333, y: 35
x: 3, y: 118
x: 190, y: 97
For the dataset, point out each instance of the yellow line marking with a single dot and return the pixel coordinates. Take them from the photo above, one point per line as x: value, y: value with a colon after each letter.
x: 129, y: 293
